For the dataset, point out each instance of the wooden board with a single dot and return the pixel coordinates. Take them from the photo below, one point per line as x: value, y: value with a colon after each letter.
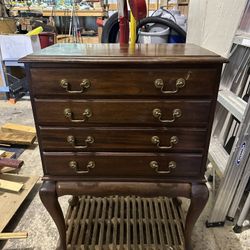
x: 14, y: 235
x: 8, y: 154
x: 10, y: 185
x: 2, y: 153
x: 10, y: 202
x: 11, y: 138
x: 17, y: 128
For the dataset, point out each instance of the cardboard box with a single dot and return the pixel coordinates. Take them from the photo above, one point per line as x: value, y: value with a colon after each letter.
x: 7, y: 26
x: 13, y: 47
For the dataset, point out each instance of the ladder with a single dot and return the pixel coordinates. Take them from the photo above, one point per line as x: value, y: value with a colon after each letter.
x: 232, y: 119
x: 238, y: 227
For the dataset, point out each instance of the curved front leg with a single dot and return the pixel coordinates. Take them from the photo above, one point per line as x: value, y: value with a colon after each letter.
x: 199, y: 197
x: 49, y: 199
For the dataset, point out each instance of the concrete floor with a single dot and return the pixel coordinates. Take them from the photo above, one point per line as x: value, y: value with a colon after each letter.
x: 33, y: 218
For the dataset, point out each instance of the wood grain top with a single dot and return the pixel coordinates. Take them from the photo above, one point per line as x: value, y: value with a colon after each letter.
x: 141, y: 53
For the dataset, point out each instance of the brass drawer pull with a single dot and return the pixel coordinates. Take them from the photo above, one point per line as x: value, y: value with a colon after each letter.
x: 155, y: 166
x: 84, y: 85
x: 74, y: 165
x: 71, y: 140
x: 156, y: 141
x: 86, y: 114
x: 176, y: 114
x: 180, y: 83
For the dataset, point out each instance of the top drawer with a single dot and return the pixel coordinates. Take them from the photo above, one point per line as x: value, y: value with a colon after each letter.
x: 78, y: 82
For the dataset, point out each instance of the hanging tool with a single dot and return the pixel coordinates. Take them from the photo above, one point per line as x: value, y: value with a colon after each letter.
x: 139, y: 11
x: 132, y: 29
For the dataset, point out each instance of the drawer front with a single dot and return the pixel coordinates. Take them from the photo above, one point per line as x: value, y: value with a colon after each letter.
x: 122, y: 165
x: 116, y: 82
x: 121, y: 112
x: 123, y: 139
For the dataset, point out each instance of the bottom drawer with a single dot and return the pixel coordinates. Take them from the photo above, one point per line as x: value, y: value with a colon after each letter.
x: 122, y: 165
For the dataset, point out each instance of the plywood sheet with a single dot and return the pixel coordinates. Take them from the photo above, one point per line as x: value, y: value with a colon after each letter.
x: 10, y: 202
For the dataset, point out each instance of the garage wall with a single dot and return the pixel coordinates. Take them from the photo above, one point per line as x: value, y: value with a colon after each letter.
x: 212, y: 23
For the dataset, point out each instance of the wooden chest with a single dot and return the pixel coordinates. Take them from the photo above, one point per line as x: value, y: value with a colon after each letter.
x: 120, y: 116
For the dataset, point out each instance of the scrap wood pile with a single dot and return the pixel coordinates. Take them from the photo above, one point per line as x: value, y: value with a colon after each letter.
x: 13, y: 188
x: 11, y: 135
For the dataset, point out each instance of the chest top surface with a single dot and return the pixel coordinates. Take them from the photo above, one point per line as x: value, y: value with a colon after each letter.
x: 143, y: 53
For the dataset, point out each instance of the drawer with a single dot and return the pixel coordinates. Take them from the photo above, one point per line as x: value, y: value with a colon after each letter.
x: 117, y: 82
x: 121, y: 112
x: 122, y: 139
x: 122, y: 165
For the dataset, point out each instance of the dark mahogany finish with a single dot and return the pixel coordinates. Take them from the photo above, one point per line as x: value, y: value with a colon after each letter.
x: 113, y: 140
x: 123, y: 139
x: 122, y: 165
x: 128, y: 82
x: 124, y: 112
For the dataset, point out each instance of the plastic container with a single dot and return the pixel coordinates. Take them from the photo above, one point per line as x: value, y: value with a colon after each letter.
x: 156, y: 35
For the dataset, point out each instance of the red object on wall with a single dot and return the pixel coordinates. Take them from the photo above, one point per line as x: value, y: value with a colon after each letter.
x: 46, y: 39
x: 124, y: 25
x: 99, y: 22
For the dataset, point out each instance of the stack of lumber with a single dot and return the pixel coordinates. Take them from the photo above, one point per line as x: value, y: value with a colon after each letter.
x: 17, y: 134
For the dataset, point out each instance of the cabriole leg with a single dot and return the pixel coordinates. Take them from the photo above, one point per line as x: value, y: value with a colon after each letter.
x: 49, y: 199
x: 199, y: 197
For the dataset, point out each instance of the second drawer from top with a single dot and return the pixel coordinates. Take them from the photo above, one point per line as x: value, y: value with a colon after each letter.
x: 121, y: 112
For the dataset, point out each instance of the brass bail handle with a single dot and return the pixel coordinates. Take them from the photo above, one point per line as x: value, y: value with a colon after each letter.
x: 71, y: 140
x: 158, y: 114
x: 156, y: 141
x: 74, y: 166
x: 86, y: 114
x: 155, y: 165
x: 84, y: 85
x: 180, y: 83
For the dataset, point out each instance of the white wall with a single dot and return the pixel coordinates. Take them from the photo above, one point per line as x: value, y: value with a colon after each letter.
x: 212, y: 23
